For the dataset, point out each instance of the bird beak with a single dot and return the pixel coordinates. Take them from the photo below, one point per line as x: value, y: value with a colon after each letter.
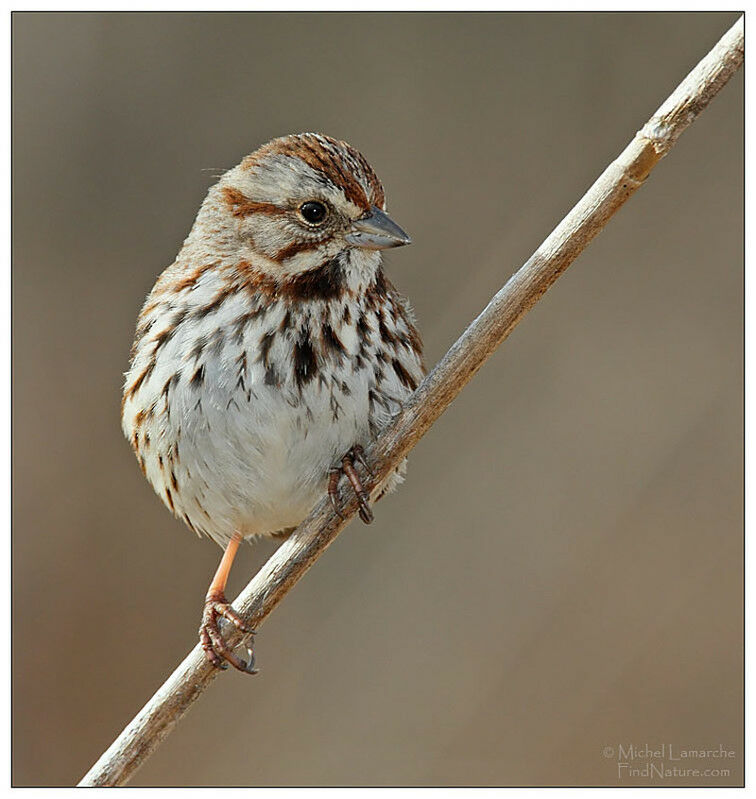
x: 377, y: 231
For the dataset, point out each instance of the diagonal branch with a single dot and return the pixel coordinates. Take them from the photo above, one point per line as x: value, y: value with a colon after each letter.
x: 296, y: 555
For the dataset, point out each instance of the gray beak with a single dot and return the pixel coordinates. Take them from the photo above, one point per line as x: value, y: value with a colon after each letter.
x: 378, y: 231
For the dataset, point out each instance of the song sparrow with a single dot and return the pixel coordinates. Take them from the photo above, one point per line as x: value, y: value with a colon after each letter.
x: 270, y: 352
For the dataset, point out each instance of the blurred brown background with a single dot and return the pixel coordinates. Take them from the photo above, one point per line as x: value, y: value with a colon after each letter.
x: 561, y: 572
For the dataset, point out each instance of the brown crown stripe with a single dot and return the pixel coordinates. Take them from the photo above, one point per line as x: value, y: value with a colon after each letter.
x: 333, y: 168
x: 353, y: 189
x: 311, y: 150
x: 379, y: 198
x: 242, y: 206
x: 329, y: 159
x: 359, y: 159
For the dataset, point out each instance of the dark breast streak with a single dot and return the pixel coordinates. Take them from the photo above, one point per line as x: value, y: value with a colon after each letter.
x: 387, y: 338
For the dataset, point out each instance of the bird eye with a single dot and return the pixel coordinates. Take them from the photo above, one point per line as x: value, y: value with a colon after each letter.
x: 313, y: 212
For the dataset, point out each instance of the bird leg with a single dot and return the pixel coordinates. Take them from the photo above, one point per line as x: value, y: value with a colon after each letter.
x: 217, y: 607
x: 355, y: 454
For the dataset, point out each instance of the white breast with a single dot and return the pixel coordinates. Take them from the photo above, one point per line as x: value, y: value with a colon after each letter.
x: 228, y: 436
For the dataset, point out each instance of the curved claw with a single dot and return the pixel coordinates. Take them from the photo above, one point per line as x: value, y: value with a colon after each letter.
x: 355, y: 454
x: 251, y: 663
x: 366, y: 512
x: 216, y: 650
x: 347, y: 465
x: 358, y: 453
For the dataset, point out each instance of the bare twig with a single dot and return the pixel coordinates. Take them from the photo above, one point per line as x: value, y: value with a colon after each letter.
x: 296, y: 555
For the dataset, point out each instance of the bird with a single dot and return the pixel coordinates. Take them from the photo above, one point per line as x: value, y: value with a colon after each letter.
x: 270, y: 354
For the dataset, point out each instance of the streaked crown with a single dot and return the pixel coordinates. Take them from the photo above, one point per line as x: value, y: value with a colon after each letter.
x: 302, y: 200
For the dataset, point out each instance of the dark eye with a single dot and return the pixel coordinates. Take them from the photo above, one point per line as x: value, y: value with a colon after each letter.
x: 313, y: 212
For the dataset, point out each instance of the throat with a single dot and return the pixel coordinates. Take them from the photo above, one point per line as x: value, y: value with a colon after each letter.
x: 349, y: 273
x: 328, y: 281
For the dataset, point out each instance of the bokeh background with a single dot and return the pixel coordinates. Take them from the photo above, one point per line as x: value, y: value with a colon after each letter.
x: 562, y: 571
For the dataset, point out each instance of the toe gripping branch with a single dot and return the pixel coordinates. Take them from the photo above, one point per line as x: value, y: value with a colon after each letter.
x: 217, y: 651
x: 355, y: 455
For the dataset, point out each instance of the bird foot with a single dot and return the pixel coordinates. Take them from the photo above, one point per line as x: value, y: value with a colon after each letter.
x: 355, y: 455
x: 217, y: 651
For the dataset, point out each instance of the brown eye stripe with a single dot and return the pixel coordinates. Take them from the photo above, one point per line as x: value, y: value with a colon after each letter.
x: 242, y: 206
